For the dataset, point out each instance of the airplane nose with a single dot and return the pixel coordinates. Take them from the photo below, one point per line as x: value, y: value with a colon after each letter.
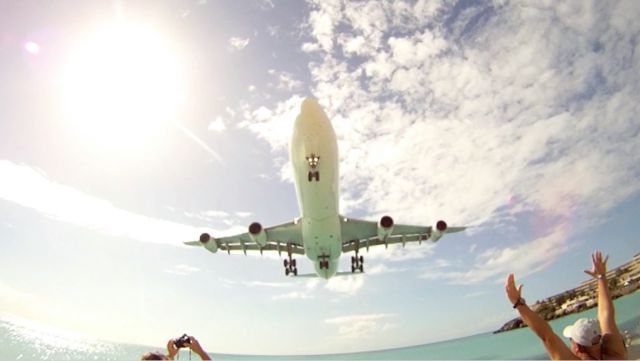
x: 309, y: 105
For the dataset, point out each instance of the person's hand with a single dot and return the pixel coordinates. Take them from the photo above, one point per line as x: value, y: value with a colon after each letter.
x: 599, y: 266
x: 172, y: 350
x: 194, y: 345
x: 513, y: 293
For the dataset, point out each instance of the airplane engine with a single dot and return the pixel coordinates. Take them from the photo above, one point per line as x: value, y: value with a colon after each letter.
x: 209, y: 242
x: 438, y: 230
x: 385, y: 227
x: 258, y: 234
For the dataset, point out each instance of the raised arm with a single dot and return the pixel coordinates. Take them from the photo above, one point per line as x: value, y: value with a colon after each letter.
x: 194, y: 345
x: 554, y: 345
x: 606, y: 312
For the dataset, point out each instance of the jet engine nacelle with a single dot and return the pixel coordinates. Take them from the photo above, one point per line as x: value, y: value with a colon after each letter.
x: 385, y: 227
x: 257, y: 234
x: 209, y: 242
x: 438, y: 230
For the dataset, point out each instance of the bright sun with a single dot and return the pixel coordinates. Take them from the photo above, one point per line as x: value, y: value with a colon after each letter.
x: 123, y: 84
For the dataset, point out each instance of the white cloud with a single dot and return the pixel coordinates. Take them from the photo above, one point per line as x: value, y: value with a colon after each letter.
x: 7, y: 224
x: 494, y: 264
x: 217, y: 125
x: 30, y: 188
x: 182, y: 270
x: 267, y: 284
x: 238, y: 43
x: 253, y: 284
x: 381, y: 268
x: 345, y: 285
x: 274, y: 126
x: 474, y: 294
x: 215, y: 214
x: 361, y: 326
x: 295, y: 295
x: 458, y: 118
x: 312, y: 283
x: 322, y: 21
x: 266, y: 4
x: 287, y: 82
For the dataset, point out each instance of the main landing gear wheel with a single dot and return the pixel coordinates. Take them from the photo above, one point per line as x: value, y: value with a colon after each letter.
x: 357, y: 262
x: 324, y: 263
x: 290, y: 263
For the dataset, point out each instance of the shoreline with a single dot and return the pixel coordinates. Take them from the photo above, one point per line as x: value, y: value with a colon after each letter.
x: 623, y: 280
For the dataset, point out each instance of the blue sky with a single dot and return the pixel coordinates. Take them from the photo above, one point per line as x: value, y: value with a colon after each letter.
x: 127, y: 128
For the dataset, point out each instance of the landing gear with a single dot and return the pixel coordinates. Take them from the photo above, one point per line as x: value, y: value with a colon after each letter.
x: 313, y: 163
x: 290, y: 263
x: 313, y: 174
x: 324, y: 262
x: 357, y: 262
x: 313, y: 160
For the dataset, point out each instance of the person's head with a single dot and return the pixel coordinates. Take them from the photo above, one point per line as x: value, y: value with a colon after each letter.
x: 154, y: 356
x: 585, y: 336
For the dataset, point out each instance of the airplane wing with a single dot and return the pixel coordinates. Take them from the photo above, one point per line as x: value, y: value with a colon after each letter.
x: 281, y: 238
x: 357, y: 234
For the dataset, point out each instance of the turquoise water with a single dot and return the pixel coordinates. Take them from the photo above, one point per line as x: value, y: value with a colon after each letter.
x: 20, y: 340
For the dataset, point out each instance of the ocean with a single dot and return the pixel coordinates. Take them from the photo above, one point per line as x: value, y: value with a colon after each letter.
x: 21, y: 340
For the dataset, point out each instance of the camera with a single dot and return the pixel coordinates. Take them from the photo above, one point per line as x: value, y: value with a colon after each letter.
x: 182, y: 341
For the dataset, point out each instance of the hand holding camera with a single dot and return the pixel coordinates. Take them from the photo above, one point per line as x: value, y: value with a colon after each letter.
x: 182, y: 341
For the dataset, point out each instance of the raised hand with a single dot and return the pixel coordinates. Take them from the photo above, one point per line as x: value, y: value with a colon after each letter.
x: 172, y: 350
x: 513, y: 293
x: 599, y: 266
x: 194, y: 345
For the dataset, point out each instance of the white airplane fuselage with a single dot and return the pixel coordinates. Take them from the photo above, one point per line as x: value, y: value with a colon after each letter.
x: 317, y: 192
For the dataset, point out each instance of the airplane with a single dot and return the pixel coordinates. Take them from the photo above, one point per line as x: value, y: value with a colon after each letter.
x: 320, y: 233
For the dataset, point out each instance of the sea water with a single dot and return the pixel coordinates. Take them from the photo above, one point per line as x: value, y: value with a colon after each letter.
x: 21, y: 340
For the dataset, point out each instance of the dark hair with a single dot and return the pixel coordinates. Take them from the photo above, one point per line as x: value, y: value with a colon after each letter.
x: 153, y: 356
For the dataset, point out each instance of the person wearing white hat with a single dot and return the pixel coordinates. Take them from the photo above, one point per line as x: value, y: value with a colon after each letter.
x: 590, y: 339
x: 585, y: 336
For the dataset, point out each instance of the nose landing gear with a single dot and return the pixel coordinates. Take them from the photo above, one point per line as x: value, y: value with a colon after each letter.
x: 313, y: 163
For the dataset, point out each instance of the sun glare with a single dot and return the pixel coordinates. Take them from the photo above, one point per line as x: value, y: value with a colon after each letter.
x: 123, y: 84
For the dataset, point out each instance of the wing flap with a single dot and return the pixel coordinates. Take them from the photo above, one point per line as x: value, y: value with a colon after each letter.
x: 375, y: 241
x: 280, y: 238
x: 253, y: 247
x: 360, y: 229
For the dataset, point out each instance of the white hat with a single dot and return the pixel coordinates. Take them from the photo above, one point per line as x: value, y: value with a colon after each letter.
x: 585, y: 331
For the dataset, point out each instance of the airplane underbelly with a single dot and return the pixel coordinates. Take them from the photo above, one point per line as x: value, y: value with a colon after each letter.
x: 317, y: 197
x: 322, y: 238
